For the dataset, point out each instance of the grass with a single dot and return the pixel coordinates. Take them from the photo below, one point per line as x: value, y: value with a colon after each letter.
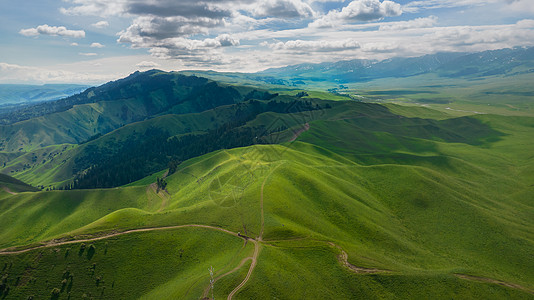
x: 287, y: 272
x: 423, y: 198
x: 165, y: 264
x: 14, y: 185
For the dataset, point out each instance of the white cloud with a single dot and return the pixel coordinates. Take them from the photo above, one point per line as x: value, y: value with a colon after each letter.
x: 74, y: 44
x: 24, y: 74
x: 202, y: 52
x: 359, y: 11
x: 87, y: 54
x: 147, y: 65
x: 158, y: 28
x: 316, y: 46
x: 527, y: 23
x: 53, y: 31
x: 100, y: 24
x: 97, y: 45
x: 522, y: 6
x: 196, y: 33
x: 95, y: 7
x: 282, y: 9
x: 416, y: 23
x: 417, y: 6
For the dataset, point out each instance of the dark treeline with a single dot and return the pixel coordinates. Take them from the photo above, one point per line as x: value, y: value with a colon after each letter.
x: 142, y: 155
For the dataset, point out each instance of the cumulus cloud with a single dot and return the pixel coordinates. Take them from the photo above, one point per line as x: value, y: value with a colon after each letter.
x: 95, y: 7
x: 200, y: 51
x: 97, y: 45
x: 316, y: 46
x: 101, y: 24
x: 169, y: 36
x: 158, y: 28
x: 53, y: 31
x: 74, y: 44
x: 195, y: 32
x: 411, y: 24
x: 87, y: 54
x: 282, y: 9
x: 360, y: 11
x: 520, y: 6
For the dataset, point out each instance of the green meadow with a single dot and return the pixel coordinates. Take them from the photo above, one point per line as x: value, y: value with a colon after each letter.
x: 416, y: 198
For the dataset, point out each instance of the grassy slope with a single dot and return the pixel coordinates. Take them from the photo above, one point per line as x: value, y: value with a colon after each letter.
x: 126, y: 266
x: 53, y: 164
x: 13, y: 185
x: 490, y: 95
x: 412, y: 200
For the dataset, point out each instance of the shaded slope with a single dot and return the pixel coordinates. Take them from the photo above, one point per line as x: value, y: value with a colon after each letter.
x: 13, y: 186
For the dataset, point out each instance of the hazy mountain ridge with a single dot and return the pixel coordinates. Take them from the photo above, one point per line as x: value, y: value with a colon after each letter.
x: 20, y: 93
x: 487, y: 63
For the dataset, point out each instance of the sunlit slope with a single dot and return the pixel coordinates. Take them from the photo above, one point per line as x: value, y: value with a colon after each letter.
x: 419, y: 204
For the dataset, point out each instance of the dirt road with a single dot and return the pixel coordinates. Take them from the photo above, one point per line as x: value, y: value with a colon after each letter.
x: 55, y: 244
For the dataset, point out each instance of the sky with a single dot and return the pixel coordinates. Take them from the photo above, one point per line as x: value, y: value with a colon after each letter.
x: 95, y: 41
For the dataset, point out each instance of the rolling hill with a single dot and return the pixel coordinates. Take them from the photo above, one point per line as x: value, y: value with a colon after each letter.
x: 268, y: 194
x: 366, y: 204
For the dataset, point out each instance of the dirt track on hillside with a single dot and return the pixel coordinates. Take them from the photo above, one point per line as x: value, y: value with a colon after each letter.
x: 342, y: 257
x: 297, y: 133
x: 54, y: 243
x: 495, y: 281
x: 256, y: 244
x: 8, y: 190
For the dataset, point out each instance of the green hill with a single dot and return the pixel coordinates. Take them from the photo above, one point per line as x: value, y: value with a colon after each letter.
x: 102, y: 109
x: 364, y: 204
x: 12, y: 186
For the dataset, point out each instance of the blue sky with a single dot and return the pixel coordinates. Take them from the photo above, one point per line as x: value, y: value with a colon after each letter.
x: 93, y: 41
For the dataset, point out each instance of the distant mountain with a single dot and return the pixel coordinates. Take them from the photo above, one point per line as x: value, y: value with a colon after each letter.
x: 18, y: 93
x: 506, y: 62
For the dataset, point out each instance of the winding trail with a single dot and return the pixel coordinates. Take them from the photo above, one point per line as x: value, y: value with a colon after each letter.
x: 207, y: 289
x: 9, y: 191
x: 344, y: 260
x: 252, y: 266
x: 495, y: 281
x: 256, y: 242
x: 53, y: 243
x: 163, y: 194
